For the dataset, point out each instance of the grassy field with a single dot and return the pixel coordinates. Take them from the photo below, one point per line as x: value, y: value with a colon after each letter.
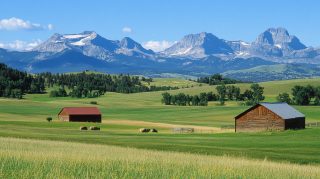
x: 181, y: 83
x: 24, y: 158
x: 124, y: 114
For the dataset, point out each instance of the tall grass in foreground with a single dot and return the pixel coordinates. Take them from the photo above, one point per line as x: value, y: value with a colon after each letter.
x: 24, y: 158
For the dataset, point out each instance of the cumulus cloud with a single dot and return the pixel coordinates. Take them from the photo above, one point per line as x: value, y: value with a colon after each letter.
x: 126, y: 30
x: 14, y: 23
x: 20, y: 45
x: 158, y: 46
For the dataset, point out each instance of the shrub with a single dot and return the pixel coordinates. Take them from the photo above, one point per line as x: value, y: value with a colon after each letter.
x: 49, y: 119
x: 94, y: 102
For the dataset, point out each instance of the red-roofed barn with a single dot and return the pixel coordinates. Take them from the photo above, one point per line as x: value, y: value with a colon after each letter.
x: 80, y: 114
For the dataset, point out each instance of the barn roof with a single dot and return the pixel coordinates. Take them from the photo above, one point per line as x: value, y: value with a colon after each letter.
x: 283, y: 110
x: 81, y: 110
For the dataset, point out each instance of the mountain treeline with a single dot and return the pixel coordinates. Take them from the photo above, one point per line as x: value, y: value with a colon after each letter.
x: 224, y: 93
x: 14, y: 83
x: 301, y: 95
x: 217, y: 79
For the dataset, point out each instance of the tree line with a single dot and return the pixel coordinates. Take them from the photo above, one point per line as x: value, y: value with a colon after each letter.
x: 301, y: 95
x: 182, y: 99
x: 94, y: 85
x: 14, y: 84
x: 217, y: 79
x: 224, y: 93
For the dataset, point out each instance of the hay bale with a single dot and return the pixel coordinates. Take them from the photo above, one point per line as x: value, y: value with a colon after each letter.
x: 83, y: 128
x: 144, y: 130
x: 94, y: 128
x: 154, y: 130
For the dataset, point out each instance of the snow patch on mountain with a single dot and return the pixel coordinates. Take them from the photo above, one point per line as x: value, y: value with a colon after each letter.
x: 74, y: 36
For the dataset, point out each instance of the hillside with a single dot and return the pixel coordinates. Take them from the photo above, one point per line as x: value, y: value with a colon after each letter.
x: 275, y: 72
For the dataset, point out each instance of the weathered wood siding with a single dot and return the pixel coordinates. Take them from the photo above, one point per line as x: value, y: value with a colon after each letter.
x: 259, y: 119
x: 64, y: 116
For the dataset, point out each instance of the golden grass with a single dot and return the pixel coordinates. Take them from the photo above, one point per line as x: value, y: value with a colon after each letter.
x: 24, y: 158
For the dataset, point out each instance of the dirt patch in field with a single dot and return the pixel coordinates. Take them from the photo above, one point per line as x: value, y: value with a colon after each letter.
x: 198, y: 129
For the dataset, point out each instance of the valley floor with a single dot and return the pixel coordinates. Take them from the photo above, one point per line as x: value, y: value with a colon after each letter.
x: 32, y: 147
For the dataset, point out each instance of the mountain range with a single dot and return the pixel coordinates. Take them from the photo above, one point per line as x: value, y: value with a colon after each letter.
x: 194, y: 55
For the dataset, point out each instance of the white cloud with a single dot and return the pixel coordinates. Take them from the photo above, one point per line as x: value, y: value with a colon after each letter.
x: 14, y: 23
x: 158, y: 46
x: 20, y: 45
x: 126, y: 30
x: 50, y: 26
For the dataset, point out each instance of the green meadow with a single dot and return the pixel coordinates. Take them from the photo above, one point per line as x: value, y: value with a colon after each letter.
x: 43, y: 147
x: 26, y: 158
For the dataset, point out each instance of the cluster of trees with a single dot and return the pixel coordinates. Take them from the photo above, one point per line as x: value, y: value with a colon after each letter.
x: 182, y: 99
x: 14, y: 83
x: 224, y: 93
x: 61, y: 92
x: 250, y: 96
x: 301, y: 95
x: 216, y: 79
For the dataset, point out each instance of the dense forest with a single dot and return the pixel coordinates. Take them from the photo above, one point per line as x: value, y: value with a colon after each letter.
x: 224, y: 93
x: 14, y: 83
x: 217, y: 79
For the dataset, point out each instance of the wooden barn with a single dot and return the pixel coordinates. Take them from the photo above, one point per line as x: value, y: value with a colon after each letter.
x: 80, y: 114
x: 269, y: 117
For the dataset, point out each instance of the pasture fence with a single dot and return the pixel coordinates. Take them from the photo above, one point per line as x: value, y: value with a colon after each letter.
x: 313, y: 124
x: 183, y: 130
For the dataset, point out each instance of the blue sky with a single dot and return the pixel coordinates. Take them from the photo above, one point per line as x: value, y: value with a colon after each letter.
x: 164, y: 21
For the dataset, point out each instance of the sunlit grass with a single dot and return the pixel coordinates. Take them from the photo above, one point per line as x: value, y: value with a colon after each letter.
x: 22, y: 158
